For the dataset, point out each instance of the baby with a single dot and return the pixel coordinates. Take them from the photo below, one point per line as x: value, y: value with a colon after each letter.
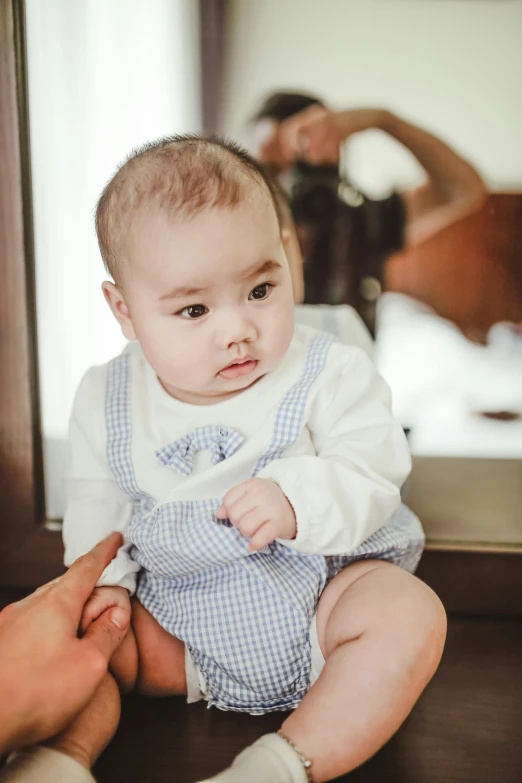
x: 254, y: 468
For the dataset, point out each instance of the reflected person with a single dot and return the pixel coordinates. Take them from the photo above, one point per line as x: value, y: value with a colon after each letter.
x: 346, y: 236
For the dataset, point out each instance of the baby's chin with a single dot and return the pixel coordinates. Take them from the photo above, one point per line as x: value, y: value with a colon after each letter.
x: 218, y: 391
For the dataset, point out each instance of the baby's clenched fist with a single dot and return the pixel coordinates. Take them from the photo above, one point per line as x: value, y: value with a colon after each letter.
x: 260, y: 511
x: 103, y: 598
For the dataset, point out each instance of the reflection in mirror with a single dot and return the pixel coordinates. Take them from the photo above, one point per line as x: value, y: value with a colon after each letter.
x: 407, y: 124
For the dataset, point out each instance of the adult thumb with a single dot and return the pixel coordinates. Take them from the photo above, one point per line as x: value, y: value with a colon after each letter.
x: 108, y: 631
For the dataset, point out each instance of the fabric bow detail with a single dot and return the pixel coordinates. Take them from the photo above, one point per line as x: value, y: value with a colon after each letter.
x: 222, y: 442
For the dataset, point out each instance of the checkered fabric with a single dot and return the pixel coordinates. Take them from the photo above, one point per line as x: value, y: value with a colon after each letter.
x: 290, y: 415
x: 400, y: 541
x: 245, y: 617
x: 118, y: 423
x: 222, y: 442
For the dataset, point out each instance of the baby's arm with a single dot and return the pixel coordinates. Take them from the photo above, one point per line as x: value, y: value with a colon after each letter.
x: 95, y: 504
x: 95, y: 508
x: 149, y: 658
x: 348, y: 491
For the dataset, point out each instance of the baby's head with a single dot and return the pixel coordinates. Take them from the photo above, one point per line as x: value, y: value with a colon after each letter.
x: 194, y: 236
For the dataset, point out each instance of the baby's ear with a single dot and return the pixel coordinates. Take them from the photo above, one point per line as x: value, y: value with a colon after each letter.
x: 295, y: 262
x: 120, y: 311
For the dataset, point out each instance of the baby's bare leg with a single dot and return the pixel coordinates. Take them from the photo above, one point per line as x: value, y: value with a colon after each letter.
x: 150, y: 660
x: 382, y: 633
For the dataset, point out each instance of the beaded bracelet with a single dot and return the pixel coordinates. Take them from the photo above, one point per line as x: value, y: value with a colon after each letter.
x: 304, y: 761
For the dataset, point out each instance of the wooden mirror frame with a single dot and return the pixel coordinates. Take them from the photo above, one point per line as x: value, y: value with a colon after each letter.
x: 29, y: 553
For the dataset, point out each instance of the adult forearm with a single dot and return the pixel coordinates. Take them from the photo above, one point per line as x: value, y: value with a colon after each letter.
x: 449, y: 174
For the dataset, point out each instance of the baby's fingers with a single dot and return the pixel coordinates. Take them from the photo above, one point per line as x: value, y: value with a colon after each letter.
x: 234, y: 501
x: 94, y: 607
x: 264, y: 536
x: 248, y: 524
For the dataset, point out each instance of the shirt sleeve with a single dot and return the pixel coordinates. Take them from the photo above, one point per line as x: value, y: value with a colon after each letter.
x: 96, y: 506
x: 351, y: 487
x: 38, y: 764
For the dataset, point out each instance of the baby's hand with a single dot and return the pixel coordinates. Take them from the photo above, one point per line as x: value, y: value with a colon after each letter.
x: 103, y: 598
x: 260, y: 511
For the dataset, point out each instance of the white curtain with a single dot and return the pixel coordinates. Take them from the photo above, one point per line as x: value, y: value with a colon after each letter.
x: 104, y: 76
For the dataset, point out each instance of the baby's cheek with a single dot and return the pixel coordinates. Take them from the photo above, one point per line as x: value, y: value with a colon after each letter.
x: 182, y: 365
x: 283, y: 331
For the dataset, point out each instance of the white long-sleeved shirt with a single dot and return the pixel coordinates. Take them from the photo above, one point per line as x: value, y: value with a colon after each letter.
x: 342, y: 475
x: 38, y: 764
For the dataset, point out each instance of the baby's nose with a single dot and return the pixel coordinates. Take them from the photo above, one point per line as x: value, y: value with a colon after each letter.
x: 238, y: 329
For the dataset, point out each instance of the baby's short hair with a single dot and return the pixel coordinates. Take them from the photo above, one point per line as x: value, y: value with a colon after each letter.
x: 180, y: 174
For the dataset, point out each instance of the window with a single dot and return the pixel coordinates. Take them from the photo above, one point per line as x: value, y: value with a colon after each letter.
x: 103, y: 78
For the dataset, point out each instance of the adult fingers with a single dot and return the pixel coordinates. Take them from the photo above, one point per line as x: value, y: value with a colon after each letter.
x: 81, y: 578
x: 37, y: 594
x: 295, y: 132
x: 291, y: 138
x: 266, y: 142
x: 107, y: 632
x: 322, y: 144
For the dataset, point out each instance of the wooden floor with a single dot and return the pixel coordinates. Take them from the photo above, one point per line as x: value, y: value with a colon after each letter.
x: 466, y: 728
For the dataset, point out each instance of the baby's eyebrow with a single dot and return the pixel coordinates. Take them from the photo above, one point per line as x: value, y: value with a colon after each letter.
x: 264, y: 268
x: 181, y: 292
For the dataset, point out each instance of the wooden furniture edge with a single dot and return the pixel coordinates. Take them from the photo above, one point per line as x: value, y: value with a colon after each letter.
x: 485, y: 583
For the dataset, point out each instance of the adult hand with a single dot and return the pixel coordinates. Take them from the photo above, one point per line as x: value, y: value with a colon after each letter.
x: 48, y: 674
x: 89, y: 733
x: 316, y: 134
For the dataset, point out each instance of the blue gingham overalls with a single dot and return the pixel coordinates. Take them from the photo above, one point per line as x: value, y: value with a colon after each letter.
x: 245, y: 617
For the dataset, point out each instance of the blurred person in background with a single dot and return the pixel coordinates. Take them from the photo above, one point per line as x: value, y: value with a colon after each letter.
x: 345, y: 236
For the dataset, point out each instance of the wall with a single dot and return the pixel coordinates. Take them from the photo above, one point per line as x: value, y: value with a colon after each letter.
x: 454, y: 66
x: 104, y: 77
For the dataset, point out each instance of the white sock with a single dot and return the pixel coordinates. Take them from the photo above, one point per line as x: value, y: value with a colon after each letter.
x: 269, y: 760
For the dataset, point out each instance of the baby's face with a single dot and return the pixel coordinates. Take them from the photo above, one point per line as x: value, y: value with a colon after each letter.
x: 209, y: 297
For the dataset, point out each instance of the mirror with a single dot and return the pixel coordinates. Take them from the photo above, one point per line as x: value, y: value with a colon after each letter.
x: 444, y: 293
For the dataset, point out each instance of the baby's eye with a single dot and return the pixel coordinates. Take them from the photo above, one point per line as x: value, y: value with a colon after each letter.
x: 192, y: 312
x: 260, y: 291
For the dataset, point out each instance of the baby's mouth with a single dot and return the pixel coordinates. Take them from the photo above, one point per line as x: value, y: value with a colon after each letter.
x: 238, y: 368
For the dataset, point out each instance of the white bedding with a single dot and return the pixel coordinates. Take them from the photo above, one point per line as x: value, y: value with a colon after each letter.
x: 441, y: 382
